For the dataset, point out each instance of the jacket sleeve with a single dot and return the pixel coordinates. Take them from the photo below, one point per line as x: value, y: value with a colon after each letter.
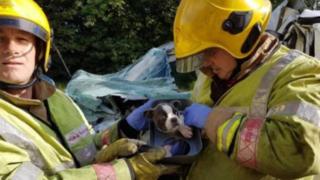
x: 287, y: 143
x: 15, y: 163
x: 120, y: 129
x: 107, y: 136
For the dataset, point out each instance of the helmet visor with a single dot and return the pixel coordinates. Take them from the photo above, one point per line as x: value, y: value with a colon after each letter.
x: 190, y: 63
x: 25, y: 25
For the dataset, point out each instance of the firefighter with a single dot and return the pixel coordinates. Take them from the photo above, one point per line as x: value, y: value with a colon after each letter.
x: 265, y: 97
x: 43, y: 133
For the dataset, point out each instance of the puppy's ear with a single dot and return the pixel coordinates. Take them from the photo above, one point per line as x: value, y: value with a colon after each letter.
x: 177, y: 104
x: 181, y: 104
x: 148, y: 113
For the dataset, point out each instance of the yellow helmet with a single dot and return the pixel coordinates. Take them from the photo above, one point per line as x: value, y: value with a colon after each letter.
x: 232, y: 25
x: 26, y: 15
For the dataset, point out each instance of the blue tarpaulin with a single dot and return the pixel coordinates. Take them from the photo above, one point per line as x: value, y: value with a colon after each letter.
x: 149, y: 77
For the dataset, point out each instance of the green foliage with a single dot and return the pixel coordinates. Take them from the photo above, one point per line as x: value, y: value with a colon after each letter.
x: 102, y: 36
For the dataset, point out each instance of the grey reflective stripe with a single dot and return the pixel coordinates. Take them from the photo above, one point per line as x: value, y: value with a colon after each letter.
x: 251, y: 127
x: 77, y: 135
x: 27, y: 171
x: 12, y: 135
x: 316, y: 177
x: 86, y: 155
x: 226, y: 131
x: 260, y: 101
x: 63, y: 166
x: 316, y: 50
x: 303, y: 110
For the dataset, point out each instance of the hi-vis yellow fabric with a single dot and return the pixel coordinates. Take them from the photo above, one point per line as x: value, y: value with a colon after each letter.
x: 278, y: 137
x: 29, y: 149
x: 202, y: 89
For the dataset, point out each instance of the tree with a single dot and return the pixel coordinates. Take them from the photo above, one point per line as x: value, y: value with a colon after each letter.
x: 102, y: 36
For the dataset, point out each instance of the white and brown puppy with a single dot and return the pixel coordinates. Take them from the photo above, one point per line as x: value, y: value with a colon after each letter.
x: 168, y: 119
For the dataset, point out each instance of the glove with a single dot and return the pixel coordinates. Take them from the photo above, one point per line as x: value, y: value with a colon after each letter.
x: 145, y: 168
x: 120, y: 148
x: 136, y: 118
x: 196, y: 115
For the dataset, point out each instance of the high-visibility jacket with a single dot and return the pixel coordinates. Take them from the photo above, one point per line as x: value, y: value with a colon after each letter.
x: 30, y: 149
x: 278, y: 135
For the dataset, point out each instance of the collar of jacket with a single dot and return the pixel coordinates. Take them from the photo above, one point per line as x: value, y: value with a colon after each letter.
x: 42, y: 90
x: 266, y: 47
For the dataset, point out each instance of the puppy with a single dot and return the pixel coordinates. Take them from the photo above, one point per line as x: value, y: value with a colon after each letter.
x: 168, y: 119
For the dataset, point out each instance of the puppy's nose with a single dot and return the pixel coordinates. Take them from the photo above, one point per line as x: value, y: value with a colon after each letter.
x: 174, y: 121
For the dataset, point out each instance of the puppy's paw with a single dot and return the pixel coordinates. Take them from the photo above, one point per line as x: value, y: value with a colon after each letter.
x: 185, y: 131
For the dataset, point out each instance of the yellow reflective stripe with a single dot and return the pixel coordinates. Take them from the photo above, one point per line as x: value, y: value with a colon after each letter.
x: 27, y: 171
x: 226, y: 132
x: 260, y: 101
x: 303, y: 110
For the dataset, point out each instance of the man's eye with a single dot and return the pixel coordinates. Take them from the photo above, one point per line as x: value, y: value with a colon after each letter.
x: 23, y: 40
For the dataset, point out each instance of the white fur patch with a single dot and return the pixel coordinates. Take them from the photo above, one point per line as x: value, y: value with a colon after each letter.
x: 170, y: 114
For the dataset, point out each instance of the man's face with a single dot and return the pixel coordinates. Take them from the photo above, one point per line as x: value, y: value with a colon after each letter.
x: 17, y: 55
x: 218, y: 62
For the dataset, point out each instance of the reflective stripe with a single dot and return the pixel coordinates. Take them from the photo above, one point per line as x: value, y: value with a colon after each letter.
x: 116, y: 170
x: 12, y: 135
x: 250, y: 130
x: 316, y: 46
x: 76, y: 135
x: 86, y: 155
x: 306, y: 111
x: 27, y: 171
x: 259, y: 103
x: 63, y: 166
x: 226, y: 131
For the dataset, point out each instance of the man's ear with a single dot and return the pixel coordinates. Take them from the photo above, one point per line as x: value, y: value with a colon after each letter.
x: 148, y: 113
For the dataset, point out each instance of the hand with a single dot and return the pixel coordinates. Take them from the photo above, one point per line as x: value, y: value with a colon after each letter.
x: 120, y: 148
x: 196, y: 115
x: 145, y: 167
x: 136, y: 118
